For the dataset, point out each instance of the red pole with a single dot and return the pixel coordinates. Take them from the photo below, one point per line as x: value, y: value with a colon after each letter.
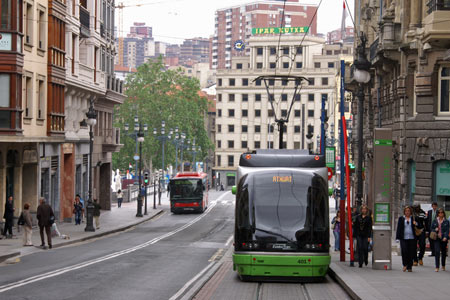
x: 347, y: 175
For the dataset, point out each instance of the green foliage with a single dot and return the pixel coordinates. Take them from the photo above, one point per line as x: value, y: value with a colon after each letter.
x: 156, y: 94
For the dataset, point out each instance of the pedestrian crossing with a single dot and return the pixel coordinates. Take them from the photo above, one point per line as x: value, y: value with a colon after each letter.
x: 222, y: 202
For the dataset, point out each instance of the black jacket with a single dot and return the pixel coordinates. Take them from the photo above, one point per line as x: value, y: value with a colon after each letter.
x: 97, y: 208
x: 44, y: 213
x: 9, y: 210
x: 400, y: 235
x: 363, y: 226
x: 429, y: 219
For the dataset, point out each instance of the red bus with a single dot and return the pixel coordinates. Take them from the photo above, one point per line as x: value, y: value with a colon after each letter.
x: 189, y: 192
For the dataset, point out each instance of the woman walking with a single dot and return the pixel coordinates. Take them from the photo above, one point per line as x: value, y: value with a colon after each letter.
x: 336, y: 226
x: 27, y: 226
x: 363, y: 233
x: 77, y: 210
x: 405, y: 234
x: 119, y: 198
x: 441, y: 228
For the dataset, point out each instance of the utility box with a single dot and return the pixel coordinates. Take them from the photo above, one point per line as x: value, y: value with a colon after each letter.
x: 382, y: 227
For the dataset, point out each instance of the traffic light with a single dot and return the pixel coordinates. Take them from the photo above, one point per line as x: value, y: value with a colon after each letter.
x: 146, y: 178
x: 310, y: 133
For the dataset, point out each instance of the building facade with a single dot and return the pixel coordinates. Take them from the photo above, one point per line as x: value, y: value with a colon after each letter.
x: 245, y: 119
x: 409, y: 92
x: 235, y: 23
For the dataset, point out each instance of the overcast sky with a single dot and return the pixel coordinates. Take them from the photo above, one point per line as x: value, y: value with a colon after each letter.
x: 175, y: 20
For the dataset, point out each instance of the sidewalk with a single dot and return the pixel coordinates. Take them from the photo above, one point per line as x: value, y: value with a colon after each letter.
x: 115, y: 220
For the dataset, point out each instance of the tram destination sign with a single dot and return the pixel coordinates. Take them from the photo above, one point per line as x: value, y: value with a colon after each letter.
x: 330, y: 157
x: 278, y: 30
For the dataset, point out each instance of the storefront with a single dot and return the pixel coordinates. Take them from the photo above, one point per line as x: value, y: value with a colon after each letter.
x: 441, y: 186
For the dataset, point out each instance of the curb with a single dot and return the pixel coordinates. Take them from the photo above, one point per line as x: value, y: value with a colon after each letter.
x: 342, y: 284
x: 90, y: 237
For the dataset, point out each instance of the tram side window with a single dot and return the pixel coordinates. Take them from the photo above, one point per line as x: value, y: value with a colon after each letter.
x: 319, y: 203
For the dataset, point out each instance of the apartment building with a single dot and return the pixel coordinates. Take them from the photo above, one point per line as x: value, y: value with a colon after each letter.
x: 245, y: 119
x: 233, y: 24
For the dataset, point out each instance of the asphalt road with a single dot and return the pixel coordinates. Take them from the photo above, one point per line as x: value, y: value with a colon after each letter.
x: 152, y: 261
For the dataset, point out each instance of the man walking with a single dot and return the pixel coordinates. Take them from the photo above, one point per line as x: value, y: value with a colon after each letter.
x: 431, y: 216
x: 46, y: 218
x: 9, y: 217
x: 97, y: 208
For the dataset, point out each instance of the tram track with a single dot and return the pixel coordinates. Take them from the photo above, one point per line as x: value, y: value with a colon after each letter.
x: 265, y: 291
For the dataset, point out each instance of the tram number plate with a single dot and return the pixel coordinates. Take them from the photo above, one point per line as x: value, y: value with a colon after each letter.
x: 302, y: 261
x: 281, y: 246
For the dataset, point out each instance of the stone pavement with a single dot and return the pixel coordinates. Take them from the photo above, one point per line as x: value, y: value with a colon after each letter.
x: 115, y: 220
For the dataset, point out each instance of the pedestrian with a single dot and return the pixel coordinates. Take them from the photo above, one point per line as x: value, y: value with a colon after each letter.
x: 119, y: 198
x: 27, y: 225
x: 405, y: 234
x: 46, y: 218
x: 336, y: 226
x: 441, y: 227
x: 431, y: 216
x: 363, y: 233
x: 97, y: 208
x: 420, y: 218
x: 77, y: 210
x: 9, y: 217
x: 168, y: 190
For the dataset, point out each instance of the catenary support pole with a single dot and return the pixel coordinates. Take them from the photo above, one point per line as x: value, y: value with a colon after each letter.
x: 349, y: 210
x: 342, y: 167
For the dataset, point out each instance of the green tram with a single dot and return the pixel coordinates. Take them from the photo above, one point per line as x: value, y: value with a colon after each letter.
x: 281, y: 220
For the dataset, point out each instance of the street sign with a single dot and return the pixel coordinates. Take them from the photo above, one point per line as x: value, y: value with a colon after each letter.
x: 330, y: 157
x: 330, y: 173
x: 136, y: 157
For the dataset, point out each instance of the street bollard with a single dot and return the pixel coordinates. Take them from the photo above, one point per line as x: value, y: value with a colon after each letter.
x: 154, y: 194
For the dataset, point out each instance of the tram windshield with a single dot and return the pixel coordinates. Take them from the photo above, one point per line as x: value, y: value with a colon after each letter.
x: 186, y: 188
x: 282, y: 210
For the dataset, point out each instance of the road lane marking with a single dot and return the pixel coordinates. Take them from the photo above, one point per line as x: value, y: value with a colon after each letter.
x: 229, y: 240
x: 188, y: 284
x: 61, y: 271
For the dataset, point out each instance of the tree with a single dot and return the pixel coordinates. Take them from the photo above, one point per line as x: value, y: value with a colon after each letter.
x: 155, y: 94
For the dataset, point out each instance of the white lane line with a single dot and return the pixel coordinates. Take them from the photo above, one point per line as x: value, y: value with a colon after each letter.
x: 229, y: 240
x: 54, y: 273
x: 188, y: 284
x: 224, y: 202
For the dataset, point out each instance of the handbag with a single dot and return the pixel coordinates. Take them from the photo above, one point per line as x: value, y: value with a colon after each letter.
x: 51, y: 220
x: 21, y: 220
x: 418, y: 231
x: 433, y: 235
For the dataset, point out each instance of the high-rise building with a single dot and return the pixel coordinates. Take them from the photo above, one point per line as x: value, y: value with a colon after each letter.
x: 235, y: 24
x: 194, y: 50
x: 336, y: 36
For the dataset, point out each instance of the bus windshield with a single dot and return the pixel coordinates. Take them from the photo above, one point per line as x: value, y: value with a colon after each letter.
x: 186, y: 188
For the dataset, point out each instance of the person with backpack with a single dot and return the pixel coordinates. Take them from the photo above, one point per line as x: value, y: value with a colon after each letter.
x: 26, y: 221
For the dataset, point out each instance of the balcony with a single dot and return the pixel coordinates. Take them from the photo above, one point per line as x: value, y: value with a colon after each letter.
x: 102, y: 30
x: 111, y: 140
x: 437, y: 31
x: 84, y: 21
x: 114, y: 84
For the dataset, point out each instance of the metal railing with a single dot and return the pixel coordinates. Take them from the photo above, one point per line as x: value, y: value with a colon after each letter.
x: 84, y: 21
x: 434, y: 5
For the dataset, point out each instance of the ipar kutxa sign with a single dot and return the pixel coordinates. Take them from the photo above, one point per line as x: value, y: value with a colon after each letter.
x: 277, y: 30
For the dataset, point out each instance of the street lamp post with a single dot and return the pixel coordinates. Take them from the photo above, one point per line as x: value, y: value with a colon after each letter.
x: 163, y: 138
x: 194, y: 152
x: 91, y: 120
x: 177, y: 141
x: 362, y: 76
x: 182, y: 147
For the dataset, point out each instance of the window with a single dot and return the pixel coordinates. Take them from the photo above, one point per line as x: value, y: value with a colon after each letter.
x: 42, y: 30
x: 219, y: 160
x: 238, y: 66
x: 331, y: 65
x: 337, y: 51
x: 310, y: 97
x: 231, y: 97
x: 324, y: 80
x: 259, y: 65
x: 273, y: 50
x: 257, y: 113
x: 317, y: 65
x: 231, y: 128
x: 244, y: 113
x: 296, y: 145
x: 219, y: 144
x: 244, y: 144
x: 299, y: 65
x: 272, y: 65
x: 270, y: 113
x: 285, y: 50
x: 324, y: 97
x: 258, y: 82
x: 296, y: 129
x: 230, y: 160
x: 257, y: 144
x: 329, y: 52
x: 444, y: 91
x: 219, y: 113
x: 231, y: 112
x: 297, y: 97
x: 297, y: 113
x: 270, y: 145
x: 284, y: 112
x: 257, y: 97
x: 219, y: 97
x: 259, y: 51
x: 284, y: 82
x: 29, y: 20
x: 244, y: 97
x: 219, y: 128
x: 271, y: 81
x: 257, y: 128
x: 231, y: 144
x: 219, y: 82
x: 41, y: 99
x: 284, y: 97
x: 28, y: 96
x: 245, y: 81
x: 271, y: 128
x: 231, y: 82
x: 311, y: 81
x: 311, y: 113
x: 284, y: 144
x: 244, y: 128
x: 285, y: 65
